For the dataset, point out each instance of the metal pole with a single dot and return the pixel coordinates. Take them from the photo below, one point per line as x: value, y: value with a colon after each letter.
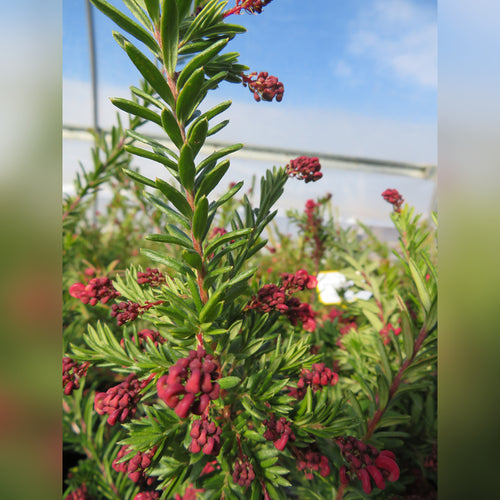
x: 93, y: 77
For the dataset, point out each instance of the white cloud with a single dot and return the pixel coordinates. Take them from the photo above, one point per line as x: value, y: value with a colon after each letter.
x: 399, y: 36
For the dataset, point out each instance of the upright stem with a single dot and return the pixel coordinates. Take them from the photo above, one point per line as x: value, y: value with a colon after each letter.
x: 340, y: 492
x: 395, y: 384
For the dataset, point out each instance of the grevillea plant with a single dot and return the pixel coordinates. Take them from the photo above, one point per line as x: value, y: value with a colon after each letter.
x: 202, y: 377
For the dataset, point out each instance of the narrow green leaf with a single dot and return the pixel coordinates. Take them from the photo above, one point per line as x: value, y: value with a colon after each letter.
x: 187, y: 169
x: 169, y: 32
x: 171, y: 127
x: 228, y: 382
x: 200, y: 218
x: 144, y: 95
x: 207, y: 313
x: 168, y: 238
x: 384, y: 359
x: 166, y: 260
x: 127, y: 24
x: 136, y: 8
x: 197, y: 135
x: 406, y: 329
x: 211, y: 179
x: 153, y: 8
x: 188, y: 98
x: 144, y: 153
x: 218, y: 154
x: 150, y: 73
x: 232, y: 235
x: 137, y: 110
x: 383, y: 387
x: 200, y: 60
x: 139, y: 178
x: 151, y: 142
x: 217, y: 128
x: 175, y: 197
x: 420, y: 284
x: 216, y: 110
x: 193, y: 259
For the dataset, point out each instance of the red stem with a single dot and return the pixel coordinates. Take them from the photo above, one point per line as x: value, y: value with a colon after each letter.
x: 395, y: 384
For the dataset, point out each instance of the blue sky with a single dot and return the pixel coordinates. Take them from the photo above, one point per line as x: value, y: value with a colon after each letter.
x: 373, y: 60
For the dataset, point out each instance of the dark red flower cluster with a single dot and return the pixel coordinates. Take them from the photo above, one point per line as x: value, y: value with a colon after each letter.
x: 79, y: 494
x: 135, y: 467
x: 300, y: 311
x: 192, y: 378
x: 265, y: 86
x: 71, y: 374
x: 384, y: 332
x: 318, y: 377
x: 250, y: 6
x: 147, y: 495
x: 305, y: 168
x: 277, y: 298
x: 366, y: 463
x: 278, y: 431
x: 310, y: 460
x: 129, y: 311
x: 97, y: 289
x: 145, y: 334
x: 393, y: 197
x: 190, y: 493
x: 120, y: 401
x: 243, y: 473
x: 298, y: 281
x: 152, y: 277
x: 206, y: 437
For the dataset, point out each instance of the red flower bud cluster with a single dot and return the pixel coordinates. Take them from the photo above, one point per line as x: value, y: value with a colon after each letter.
x: 145, y: 334
x: 206, y: 437
x: 129, y: 311
x: 97, y: 289
x: 305, y: 168
x: 278, y: 431
x: 136, y: 465
x: 277, y: 298
x: 311, y: 460
x: 193, y: 379
x: 384, y: 332
x: 72, y: 372
x: 316, y: 378
x: 250, y: 6
x: 79, y: 494
x: 298, y: 281
x: 301, y: 311
x: 243, y: 473
x: 210, y: 467
x: 265, y: 86
x: 190, y: 493
x: 120, y: 401
x: 367, y: 464
x: 147, y: 495
x: 393, y: 197
x: 152, y: 277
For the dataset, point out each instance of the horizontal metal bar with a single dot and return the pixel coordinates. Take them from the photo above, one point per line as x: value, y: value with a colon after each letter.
x: 281, y: 156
